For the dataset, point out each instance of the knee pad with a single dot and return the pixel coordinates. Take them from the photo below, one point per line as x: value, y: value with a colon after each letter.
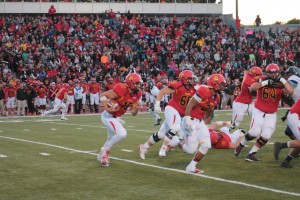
x: 248, y: 137
x: 156, y: 137
x: 288, y: 131
x: 170, y: 134
x: 262, y: 141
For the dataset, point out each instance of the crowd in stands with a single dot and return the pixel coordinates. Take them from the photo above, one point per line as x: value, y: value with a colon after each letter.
x: 111, y: 45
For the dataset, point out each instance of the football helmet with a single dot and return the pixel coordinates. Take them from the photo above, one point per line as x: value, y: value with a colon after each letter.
x: 272, y: 71
x: 134, y: 81
x: 293, y: 70
x: 186, y: 77
x: 216, y: 81
x: 255, y: 71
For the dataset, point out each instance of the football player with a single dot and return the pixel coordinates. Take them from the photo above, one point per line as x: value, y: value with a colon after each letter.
x: 150, y: 94
x: 293, y: 121
x: 263, y: 123
x: 243, y: 103
x: 181, y: 91
x: 198, y: 113
x: 60, y: 102
x: 127, y: 95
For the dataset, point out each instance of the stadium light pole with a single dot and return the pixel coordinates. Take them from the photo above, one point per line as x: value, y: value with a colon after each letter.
x: 236, y: 8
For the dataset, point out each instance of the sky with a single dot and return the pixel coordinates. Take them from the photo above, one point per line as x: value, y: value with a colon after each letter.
x: 269, y: 11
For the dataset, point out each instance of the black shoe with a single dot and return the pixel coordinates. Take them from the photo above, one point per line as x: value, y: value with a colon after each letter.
x: 251, y: 157
x: 157, y: 122
x: 286, y: 164
x: 238, y: 150
x: 277, y: 148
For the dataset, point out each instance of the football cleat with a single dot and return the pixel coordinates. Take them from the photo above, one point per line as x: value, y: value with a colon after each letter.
x: 251, y: 157
x: 286, y: 164
x: 162, y: 152
x: 238, y: 150
x: 193, y: 170
x: 157, y: 122
x: 277, y: 148
x: 63, y: 118
x: 143, y: 151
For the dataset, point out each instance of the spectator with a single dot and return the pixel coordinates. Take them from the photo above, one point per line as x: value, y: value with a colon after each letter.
x: 21, y: 100
x: 51, y: 12
x: 2, y: 98
x: 257, y: 20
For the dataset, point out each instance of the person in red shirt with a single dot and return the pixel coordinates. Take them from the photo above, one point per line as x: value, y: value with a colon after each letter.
x: 181, y: 91
x: 60, y: 102
x: 94, y: 89
x: 222, y: 138
x: 42, y: 97
x: 127, y: 95
x: 243, y: 103
x: 71, y: 101
x: 10, y: 94
x: 52, y: 11
x: 198, y: 113
x: 293, y: 122
x: 264, y: 115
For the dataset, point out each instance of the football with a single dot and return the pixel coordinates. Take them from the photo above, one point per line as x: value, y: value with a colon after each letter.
x: 112, y: 103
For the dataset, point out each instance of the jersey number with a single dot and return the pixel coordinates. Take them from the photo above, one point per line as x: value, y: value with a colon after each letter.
x: 185, y: 100
x: 269, y: 93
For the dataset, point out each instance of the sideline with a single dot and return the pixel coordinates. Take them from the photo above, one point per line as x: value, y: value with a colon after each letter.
x: 159, y: 167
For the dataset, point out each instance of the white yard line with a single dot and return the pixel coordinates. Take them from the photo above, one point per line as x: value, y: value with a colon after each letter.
x: 162, y: 168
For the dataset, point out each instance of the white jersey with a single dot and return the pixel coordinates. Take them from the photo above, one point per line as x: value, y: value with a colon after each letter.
x: 295, y: 83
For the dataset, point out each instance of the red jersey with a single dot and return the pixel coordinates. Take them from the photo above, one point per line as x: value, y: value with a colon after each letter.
x: 58, y: 86
x: 125, y: 99
x: 181, y: 96
x: 94, y: 88
x: 11, y: 92
x: 219, y: 140
x: 61, y: 93
x: 84, y: 86
x: 71, y: 90
x: 296, y: 108
x: 207, y: 103
x: 245, y: 95
x: 267, y: 99
x: 41, y: 92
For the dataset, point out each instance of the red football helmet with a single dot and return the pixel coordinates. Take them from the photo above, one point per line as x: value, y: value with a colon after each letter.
x: 272, y: 68
x: 272, y: 71
x: 186, y: 77
x: 134, y: 81
x: 255, y: 71
x: 216, y: 81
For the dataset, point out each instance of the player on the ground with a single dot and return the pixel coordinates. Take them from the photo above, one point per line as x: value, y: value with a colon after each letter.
x: 264, y: 116
x: 244, y: 101
x: 181, y: 91
x: 127, y: 95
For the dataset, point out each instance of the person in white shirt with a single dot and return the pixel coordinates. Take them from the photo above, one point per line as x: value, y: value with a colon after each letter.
x: 78, y: 95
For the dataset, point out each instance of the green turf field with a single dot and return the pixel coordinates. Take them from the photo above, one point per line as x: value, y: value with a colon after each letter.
x: 45, y: 158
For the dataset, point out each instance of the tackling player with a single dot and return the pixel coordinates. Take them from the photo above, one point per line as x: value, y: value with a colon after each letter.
x: 127, y: 95
x: 264, y: 116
